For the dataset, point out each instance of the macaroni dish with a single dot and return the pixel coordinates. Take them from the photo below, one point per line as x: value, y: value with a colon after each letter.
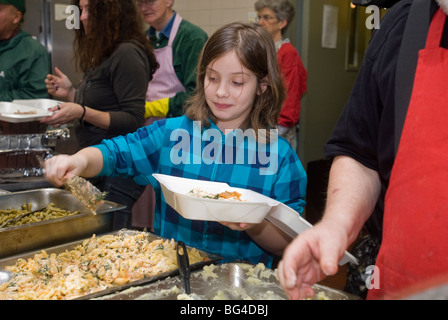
x: 93, y: 266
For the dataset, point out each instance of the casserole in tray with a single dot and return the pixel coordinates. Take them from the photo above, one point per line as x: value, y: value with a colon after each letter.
x: 95, y: 266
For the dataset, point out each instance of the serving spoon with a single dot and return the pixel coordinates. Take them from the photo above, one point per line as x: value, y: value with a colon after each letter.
x: 82, y: 189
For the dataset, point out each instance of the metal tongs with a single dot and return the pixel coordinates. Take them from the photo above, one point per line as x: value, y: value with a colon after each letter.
x: 184, y: 265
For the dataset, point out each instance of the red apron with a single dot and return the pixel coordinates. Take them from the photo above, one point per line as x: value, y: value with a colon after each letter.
x: 414, y: 249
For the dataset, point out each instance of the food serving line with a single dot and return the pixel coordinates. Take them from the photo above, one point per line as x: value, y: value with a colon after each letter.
x: 61, y: 234
x: 225, y: 281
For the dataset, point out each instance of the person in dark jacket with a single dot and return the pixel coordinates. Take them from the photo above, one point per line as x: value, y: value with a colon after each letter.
x: 118, y: 61
x: 402, y: 187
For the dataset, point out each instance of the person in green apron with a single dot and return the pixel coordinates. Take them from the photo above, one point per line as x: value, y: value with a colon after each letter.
x: 178, y: 44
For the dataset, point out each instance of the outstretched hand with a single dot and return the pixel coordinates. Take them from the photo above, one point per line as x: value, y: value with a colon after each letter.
x: 60, y: 168
x: 313, y: 255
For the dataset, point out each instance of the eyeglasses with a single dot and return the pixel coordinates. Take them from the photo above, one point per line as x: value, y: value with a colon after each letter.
x: 264, y: 18
x: 146, y: 2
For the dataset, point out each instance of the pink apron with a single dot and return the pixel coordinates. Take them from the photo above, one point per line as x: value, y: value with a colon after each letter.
x: 164, y: 84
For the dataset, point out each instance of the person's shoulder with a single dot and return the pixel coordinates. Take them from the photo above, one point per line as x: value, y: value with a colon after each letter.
x: 128, y: 49
x: 287, y: 49
x: 182, y: 122
x: 192, y: 30
x: 129, y: 46
x: 396, y: 14
x: 391, y: 26
x: 31, y: 43
x: 287, y: 46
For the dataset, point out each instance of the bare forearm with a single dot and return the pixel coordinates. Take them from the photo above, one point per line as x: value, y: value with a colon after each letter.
x: 353, y: 191
x: 92, y: 160
x: 269, y: 237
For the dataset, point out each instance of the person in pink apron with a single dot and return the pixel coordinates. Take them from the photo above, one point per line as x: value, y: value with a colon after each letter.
x: 177, y: 44
x: 413, y: 255
x: 165, y: 83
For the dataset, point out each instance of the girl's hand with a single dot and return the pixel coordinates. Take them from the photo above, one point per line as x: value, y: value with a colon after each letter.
x: 60, y: 168
x: 238, y: 226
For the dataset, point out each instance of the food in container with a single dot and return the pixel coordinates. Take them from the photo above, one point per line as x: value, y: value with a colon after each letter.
x: 48, y: 213
x: 228, y: 281
x: 24, y: 238
x: 94, y: 266
x: 254, y: 208
x: 16, y: 113
x: 177, y: 193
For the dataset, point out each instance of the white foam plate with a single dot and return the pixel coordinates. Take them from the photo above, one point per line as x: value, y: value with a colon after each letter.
x: 43, y: 104
x: 254, y: 209
x: 9, y: 113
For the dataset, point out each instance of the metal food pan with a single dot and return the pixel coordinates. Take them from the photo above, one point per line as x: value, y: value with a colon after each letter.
x: 228, y: 281
x: 210, y: 259
x: 20, y: 239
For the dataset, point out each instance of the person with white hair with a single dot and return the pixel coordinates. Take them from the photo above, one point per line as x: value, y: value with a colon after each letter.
x: 275, y: 16
x: 398, y: 185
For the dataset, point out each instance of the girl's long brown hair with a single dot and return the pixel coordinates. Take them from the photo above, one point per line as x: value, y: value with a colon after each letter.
x: 256, y: 51
x: 111, y: 22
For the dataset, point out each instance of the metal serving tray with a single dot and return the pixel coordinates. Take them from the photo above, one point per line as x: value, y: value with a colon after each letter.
x: 211, y: 258
x: 228, y: 281
x: 20, y: 239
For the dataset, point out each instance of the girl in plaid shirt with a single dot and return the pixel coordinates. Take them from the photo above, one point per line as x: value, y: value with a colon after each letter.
x: 228, y: 134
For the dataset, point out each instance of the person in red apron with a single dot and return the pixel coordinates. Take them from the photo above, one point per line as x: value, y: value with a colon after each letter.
x: 166, y: 85
x: 414, y: 248
x: 413, y: 254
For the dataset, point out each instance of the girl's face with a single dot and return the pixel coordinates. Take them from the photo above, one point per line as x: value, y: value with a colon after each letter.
x: 230, y: 91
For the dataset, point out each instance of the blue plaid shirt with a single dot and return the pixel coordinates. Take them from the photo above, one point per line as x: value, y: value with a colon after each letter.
x: 180, y: 147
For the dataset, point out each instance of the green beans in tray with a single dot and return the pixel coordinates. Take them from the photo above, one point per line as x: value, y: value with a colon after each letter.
x: 50, y: 212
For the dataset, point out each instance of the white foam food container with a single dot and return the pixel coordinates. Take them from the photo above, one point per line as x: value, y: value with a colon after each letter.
x: 253, y: 209
x: 17, y: 113
x: 43, y: 104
